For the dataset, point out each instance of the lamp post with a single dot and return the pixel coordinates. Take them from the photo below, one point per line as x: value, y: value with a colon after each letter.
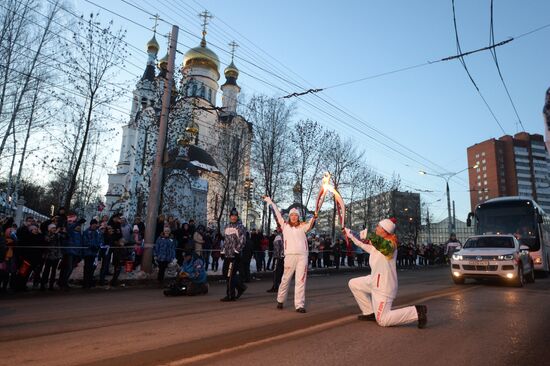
x: 447, y: 177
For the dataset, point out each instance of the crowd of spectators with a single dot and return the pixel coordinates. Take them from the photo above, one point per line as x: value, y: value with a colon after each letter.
x: 45, y: 254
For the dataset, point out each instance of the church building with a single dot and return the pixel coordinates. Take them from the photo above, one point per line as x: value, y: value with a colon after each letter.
x: 206, y: 168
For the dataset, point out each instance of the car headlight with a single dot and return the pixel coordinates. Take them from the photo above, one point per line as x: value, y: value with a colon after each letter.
x: 457, y: 257
x: 506, y: 257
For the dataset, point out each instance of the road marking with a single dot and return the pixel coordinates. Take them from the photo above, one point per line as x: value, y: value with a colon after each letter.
x: 305, y: 331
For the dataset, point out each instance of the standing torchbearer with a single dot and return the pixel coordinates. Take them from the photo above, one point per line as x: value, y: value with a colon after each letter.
x: 233, y: 243
x: 376, y: 292
x: 296, y: 255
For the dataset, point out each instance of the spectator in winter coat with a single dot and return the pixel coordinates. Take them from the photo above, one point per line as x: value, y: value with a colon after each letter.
x: 377, y: 291
x: 137, y: 239
x: 193, y: 270
x: 92, y: 241
x: 278, y: 260
x: 451, y: 246
x: 71, y: 253
x: 216, y: 248
x: 198, y: 238
x: 125, y: 230
x: 164, y: 251
x: 184, y: 238
x: 54, y: 241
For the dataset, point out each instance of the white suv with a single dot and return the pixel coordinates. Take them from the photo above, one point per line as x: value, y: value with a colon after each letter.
x: 496, y: 256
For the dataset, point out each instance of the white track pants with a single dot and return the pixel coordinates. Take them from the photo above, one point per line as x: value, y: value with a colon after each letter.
x: 369, y: 302
x: 294, y: 264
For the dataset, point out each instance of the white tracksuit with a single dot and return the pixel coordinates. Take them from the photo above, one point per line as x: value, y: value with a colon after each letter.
x: 375, y: 293
x: 296, y: 258
x: 296, y: 261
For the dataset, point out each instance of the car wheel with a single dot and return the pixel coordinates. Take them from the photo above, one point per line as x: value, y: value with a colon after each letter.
x: 458, y: 280
x: 519, y: 278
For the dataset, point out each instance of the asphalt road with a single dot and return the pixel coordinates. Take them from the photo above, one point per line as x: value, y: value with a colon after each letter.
x: 473, y: 324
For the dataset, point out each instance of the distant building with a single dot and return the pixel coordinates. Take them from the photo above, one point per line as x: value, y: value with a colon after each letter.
x: 438, y: 233
x: 510, y: 166
x: 404, y: 206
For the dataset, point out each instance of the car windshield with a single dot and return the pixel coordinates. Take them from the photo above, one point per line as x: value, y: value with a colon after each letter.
x: 490, y: 242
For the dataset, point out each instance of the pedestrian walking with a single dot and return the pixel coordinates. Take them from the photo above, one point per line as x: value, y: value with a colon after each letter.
x: 233, y: 243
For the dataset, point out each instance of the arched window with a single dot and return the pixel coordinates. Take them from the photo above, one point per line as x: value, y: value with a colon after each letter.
x: 194, y: 89
x: 202, y: 92
x: 209, y: 95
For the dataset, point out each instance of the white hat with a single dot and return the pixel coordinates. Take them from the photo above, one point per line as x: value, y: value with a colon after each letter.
x: 294, y: 211
x: 388, y: 225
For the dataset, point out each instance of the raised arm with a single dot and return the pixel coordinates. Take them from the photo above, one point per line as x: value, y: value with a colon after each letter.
x: 366, y: 247
x: 278, y: 215
x: 311, y: 223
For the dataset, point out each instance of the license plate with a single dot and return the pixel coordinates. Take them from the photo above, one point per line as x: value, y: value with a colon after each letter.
x: 479, y: 263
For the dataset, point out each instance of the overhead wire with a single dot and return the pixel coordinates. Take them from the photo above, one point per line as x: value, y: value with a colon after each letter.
x: 264, y: 81
x: 310, y: 103
x: 468, y: 72
x: 494, y: 54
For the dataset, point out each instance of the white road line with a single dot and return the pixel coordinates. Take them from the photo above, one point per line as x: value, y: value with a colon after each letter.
x: 312, y: 329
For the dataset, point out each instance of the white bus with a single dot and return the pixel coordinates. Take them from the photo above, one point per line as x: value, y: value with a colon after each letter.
x: 521, y: 217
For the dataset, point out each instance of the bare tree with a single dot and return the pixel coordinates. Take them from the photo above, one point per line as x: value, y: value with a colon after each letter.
x: 341, y: 157
x: 369, y: 183
x: 16, y: 33
x: 232, y: 157
x: 99, y: 52
x: 309, y: 141
x: 271, y: 118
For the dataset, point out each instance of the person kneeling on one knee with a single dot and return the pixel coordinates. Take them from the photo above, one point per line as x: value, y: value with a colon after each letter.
x: 375, y: 293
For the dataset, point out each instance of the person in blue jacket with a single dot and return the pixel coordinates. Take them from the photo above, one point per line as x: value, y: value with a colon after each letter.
x: 164, y: 251
x: 192, y: 279
x: 92, y: 241
x: 71, y: 252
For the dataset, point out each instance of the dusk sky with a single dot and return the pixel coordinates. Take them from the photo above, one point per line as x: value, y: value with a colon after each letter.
x: 428, y: 115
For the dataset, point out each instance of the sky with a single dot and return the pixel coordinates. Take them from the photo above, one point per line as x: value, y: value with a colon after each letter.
x: 405, y: 118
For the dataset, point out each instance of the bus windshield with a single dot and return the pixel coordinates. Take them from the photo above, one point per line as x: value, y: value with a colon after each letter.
x: 515, y: 219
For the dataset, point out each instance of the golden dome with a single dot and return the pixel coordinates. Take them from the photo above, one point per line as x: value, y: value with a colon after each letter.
x: 201, y: 56
x: 231, y: 71
x: 153, y: 44
x: 163, y: 62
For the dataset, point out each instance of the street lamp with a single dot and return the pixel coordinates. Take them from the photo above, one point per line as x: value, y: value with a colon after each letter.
x: 447, y: 177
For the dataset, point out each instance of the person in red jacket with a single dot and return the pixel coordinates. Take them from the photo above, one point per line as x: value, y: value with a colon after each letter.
x: 375, y: 293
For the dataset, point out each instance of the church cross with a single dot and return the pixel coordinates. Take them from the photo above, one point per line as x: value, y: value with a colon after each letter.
x: 156, y: 18
x: 206, y: 15
x: 233, y: 46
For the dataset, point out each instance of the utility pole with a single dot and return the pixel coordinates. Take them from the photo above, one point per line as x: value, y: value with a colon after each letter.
x: 454, y: 217
x: 156, y: 177
x: 449, y: 218
x: 428, y: 224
